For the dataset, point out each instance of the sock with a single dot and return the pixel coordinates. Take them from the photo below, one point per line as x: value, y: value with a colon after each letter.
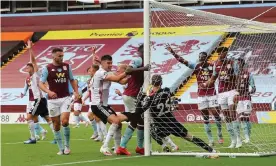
x: 236, y: 127
x: 51, y: 125
x: 58, y: 139
x: 202, y: 144
x: 66, y: 132
x: 140, y: 138
x: 218, y: 123
x: 32, y: 129
x: 94, y: 126
x: 246, y: 129
x: 117, y: 137
x: 231, y: 132
x: 77, y: 119
x: 37, y: 129
x: 127, y: 135
x: 99, y: 129
x: 41, y: 129
x: 83, y: 118
x: 207, y: 128
x: 168, y: 140
x: 103, y: 128
x: 113, y: 127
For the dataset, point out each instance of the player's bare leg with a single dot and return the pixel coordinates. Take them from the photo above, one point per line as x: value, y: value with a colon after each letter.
x: 93, y: 125
x: 66, y: 131
x: 207, y: 126
x: 30, y: 122
x: 216, y: 113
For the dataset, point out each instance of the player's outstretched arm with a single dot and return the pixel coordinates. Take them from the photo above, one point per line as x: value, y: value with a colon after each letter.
x: 86, y: 96
x: 95, y: 58
x: 32, y: 57
x: 123, y: 81
x: 26, y: 87
x: 179, y: 58
x: 115, y: 78
x: 130, y: 69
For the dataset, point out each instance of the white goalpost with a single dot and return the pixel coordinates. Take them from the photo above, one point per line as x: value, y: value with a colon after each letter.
x: 189, y: 32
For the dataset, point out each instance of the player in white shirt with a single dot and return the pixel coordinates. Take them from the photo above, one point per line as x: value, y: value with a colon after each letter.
x: 39, y: 106
x: 99, y: 128
x: 100, y: 86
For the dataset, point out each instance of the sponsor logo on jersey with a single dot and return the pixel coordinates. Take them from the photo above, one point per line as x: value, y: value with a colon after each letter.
x: 60, y: 78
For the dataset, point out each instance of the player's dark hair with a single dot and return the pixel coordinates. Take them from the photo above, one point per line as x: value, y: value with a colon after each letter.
x: 222, y: 49
x: 88, y: 68
x: 30, y: 64
x: 141, y: 48
x: 56, y: 50
x: 156, y: 80
x: 106, y: 57
x: 204, y: 53
x: 96, y: 67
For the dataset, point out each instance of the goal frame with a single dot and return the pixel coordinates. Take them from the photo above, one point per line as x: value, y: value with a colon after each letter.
x: 147, y: 137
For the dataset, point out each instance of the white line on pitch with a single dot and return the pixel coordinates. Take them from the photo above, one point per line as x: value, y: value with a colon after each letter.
x: 11, y: 143
x: 93, y: 161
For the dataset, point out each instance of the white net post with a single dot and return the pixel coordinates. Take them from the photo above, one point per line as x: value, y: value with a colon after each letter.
x: 191, y: 31
x: 147, y: 73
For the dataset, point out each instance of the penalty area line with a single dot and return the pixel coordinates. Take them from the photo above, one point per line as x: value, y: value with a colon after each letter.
x: 43, y: 141
x: 94, y: 161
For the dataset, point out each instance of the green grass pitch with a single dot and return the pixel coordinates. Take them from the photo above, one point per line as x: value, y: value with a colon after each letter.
x: 86, y: 152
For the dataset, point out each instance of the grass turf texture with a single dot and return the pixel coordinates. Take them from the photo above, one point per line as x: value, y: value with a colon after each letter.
x: 86, y: 152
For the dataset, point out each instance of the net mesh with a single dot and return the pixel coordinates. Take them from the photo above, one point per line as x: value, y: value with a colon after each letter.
x: 189, y: 32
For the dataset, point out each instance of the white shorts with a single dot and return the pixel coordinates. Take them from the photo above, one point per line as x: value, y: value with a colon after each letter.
x: 58, y: 106
x: 207, y: 102
x: 130, y: 103
x: 244, y: 108
x: 226, y: 98
x: 77, y: 107
x: 30, y: 106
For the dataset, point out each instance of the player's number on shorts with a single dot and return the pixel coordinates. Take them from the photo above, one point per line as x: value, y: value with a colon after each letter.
x: 214, y: 102
x: 164, y: 108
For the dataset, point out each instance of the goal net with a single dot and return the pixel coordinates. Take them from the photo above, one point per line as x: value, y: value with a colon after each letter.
x: 189, y: 32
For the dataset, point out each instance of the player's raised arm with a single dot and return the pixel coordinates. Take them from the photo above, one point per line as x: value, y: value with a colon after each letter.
x: 179, y: 58
x: 32, y: 57
x: 95, y: 58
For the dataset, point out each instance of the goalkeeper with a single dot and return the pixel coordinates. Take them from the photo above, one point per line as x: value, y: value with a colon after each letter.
x: 158, y: 100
